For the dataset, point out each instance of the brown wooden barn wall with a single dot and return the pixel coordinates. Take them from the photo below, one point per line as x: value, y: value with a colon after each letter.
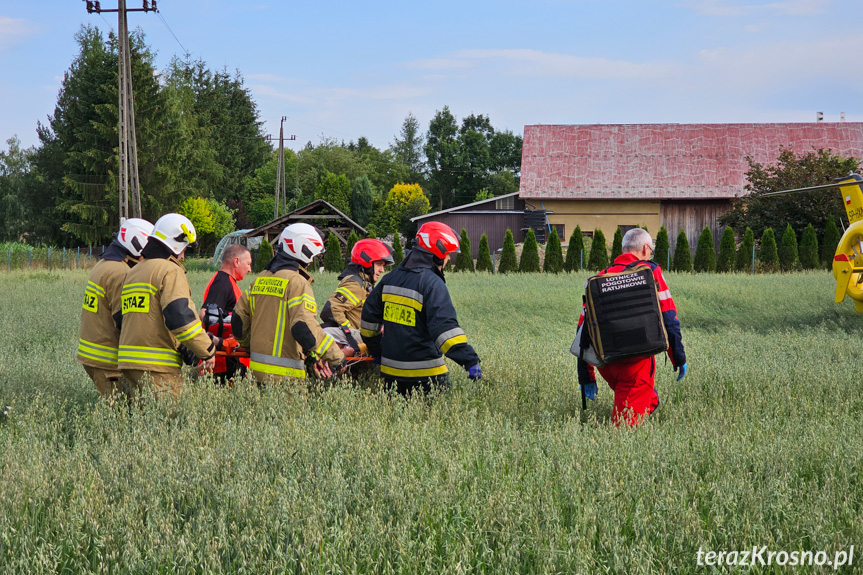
x: 693, y: 216
x: 494, y: 225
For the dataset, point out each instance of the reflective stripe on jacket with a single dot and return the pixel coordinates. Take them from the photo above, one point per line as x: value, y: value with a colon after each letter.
x: 345, y: 307
x: 159, y: 316
x: 411, y: 305
x: 276, y: 321
x: 99, y: 337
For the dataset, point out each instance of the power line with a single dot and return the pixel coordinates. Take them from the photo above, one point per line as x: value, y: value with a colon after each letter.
x: 165, y: 22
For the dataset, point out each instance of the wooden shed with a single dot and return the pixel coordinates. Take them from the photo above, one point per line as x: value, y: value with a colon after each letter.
x: 491, y: 217
x: 320, y: 214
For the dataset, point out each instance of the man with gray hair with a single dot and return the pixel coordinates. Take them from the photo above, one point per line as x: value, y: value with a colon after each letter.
x: 632, y: 380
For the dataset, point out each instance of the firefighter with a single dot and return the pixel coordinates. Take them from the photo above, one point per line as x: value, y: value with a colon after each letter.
x: 275, y: 317
x: 343, y: 311
x: 220, y: 297
x: 99, y: 336
x: 632, y: 380
x: 160, y: 325
x: 408, y: 320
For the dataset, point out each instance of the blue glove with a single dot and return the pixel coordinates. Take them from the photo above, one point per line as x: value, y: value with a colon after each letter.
x: 474, y: 372
x: 590, y: 390
x: 682, y: 369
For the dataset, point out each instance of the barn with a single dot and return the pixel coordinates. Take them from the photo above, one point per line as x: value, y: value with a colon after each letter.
x: 682, y: 176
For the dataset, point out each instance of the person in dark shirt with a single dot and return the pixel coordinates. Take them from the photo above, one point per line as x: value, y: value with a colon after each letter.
x: 220, y: 297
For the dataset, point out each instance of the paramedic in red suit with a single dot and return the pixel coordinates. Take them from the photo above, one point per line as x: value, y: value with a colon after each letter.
x: 632, y: 380
x: 224, y: 292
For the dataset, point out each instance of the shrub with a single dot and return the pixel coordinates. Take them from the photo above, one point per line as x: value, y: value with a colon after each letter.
x: 483, y: 257
x: 660, y: 255
x: 464, y: 260
x: 745, y: 252
x: 768, y: 255
x: 508, y: 261
x: 398, y: 253
x: 832, y: 235
x: 788, y: 256
x: 809, y: 249
x: 352, y: 239
x: 598, y: 252
x: 265, y: 254
x: 575, y: 251
x: 333, y: 261
x: 553, y: 263
x: 727, y: 256
x: 617, y: 244
x: 682, y: 257
x: 529, y: 254
x: 705, y: 253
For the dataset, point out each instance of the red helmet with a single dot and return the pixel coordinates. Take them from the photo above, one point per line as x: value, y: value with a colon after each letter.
x: 368, y: 251
x: 438, y: 238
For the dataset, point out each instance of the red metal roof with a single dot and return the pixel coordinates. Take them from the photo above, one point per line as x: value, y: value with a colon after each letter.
x: 664, y: 161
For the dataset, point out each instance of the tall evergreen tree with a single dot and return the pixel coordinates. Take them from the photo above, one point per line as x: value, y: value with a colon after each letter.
x: 745, y: 251
x: 682, y: 256
x: 809, y: 249
x: 598, y: 259
x: 508, y: 260
x: 333, y: 261
x: 660, y: 254
x: 408, y: 148
x: 464, y: 260
x: 574, y: 251
x: 727, y: 251
x: 483, y: 259
x: 265, y: 254
x: 617, y: 244
x: 705, y: 252
x: 362, y: 200
x: 553, y: 262
x: 398, y: 253
x: 529, y: 254
x: 832, y: 235
x: 768, y: 255
x: 352, y: 239
x: 789, y: 259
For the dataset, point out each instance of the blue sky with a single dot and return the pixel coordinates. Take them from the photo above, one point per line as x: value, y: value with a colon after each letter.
x: 348, y: 69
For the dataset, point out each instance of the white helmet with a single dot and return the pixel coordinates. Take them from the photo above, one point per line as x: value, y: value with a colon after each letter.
x: 133, y: 235
x: 175, y: 231
x: 301, y: 242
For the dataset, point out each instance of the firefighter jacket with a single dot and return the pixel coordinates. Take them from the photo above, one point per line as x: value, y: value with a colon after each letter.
x: 99, y: 337
x: 275, y: 319
x: 411, y: 307
x: 344, y: 309
x: 666, y: 306
x: 159, y: 316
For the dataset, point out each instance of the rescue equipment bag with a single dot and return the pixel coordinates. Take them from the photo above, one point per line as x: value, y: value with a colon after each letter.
x: 623, y: 319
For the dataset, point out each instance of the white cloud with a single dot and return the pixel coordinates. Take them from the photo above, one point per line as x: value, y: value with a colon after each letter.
x: 13, y: 31
x: 786, y: 8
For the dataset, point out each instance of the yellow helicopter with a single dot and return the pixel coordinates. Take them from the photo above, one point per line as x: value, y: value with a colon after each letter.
x: 848, y: 259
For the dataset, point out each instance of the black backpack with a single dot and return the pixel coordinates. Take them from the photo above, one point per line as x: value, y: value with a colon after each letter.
x: 622, y: 318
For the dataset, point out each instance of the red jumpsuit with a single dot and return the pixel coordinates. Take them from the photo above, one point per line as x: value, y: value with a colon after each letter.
x: 633, y: 380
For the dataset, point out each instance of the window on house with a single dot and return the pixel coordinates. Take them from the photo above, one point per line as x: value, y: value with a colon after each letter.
x: 505, y: 203
x: 587, y: 234
x: 561, y: 230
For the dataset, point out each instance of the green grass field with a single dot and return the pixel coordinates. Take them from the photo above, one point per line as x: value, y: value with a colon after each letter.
x: 761, y: 445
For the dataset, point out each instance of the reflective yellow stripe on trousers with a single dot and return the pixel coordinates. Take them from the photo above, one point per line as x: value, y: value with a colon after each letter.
x: 277, y: 365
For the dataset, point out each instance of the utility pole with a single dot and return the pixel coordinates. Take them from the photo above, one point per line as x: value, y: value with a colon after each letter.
x: 281, y: 186
x: 128, y: 148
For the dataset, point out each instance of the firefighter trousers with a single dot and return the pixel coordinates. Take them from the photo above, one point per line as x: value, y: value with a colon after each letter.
x: 165, y: 384
x: 107, y: 380
x: 632, y: 382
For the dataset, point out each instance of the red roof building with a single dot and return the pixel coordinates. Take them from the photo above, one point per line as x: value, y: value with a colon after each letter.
x: 678, y: 175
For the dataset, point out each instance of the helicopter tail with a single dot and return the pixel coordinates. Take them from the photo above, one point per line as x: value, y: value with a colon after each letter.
x: 852, y: 196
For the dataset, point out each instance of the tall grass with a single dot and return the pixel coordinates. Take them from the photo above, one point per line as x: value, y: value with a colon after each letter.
x: 760, y: 445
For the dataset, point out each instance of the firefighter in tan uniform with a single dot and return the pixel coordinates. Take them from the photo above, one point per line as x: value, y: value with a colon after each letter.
x: 344, y: 309
x: 99, y: 337
x: 160, y: 325
x: 275, y: 317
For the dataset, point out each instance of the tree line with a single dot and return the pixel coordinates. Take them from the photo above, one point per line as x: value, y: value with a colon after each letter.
x: 202, y: 151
